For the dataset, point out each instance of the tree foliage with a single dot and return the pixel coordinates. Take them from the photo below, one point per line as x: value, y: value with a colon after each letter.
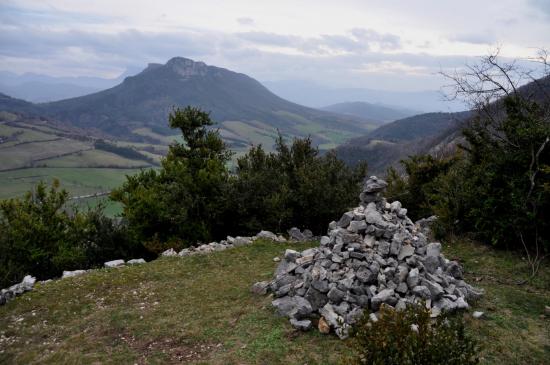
x: 496, y: 186
x: 39, y: 237
x: 180, y: 201
x: 193, y: 197
x: 294, y: 186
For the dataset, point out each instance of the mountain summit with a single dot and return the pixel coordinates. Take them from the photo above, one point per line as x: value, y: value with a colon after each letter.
x: 246, y: 112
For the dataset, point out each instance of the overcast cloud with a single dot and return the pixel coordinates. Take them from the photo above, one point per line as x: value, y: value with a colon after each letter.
x: 349, y: 43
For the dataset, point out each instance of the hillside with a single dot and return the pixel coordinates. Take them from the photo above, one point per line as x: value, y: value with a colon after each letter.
x: 433, y: 133
x: 246, y: 112
x: 378, y: 113
x: 10, y: 104
x: 34, y: 149
x: 389, y: 143
x: 163, y: 312
x: 416, y: 127
x: 38, y: 92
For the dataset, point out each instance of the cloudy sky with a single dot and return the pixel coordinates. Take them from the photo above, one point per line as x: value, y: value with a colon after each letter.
x: 386, y: 44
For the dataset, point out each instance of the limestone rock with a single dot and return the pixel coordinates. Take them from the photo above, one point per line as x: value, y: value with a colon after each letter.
x: 70, y: 274
x: 303, y: 325
x: 292, y: 307
x: 115, y: 263
x: 260, y: 288
x: 168, y: 253
x: 136, y: 261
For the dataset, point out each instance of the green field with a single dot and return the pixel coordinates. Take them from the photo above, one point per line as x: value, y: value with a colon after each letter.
x: 78, y: 181
x: 199, y: 310
x: 37, y: 151
x: 94, y: 158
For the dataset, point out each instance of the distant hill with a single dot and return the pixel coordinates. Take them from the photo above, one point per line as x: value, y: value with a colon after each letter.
x: 246, y: 112
x: 373, y: 112
x: 10, y: 104
x: 419, y: 126
x: 37, y: 91
x: 42, y: 88
x: 317, y: 96
x: 434, y: 133
x: 388, y: 144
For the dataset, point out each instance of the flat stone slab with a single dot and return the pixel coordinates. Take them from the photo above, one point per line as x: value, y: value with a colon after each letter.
x: 114, y: 263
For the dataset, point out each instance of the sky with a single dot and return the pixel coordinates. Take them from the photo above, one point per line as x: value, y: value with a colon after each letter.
x: 379, y: 44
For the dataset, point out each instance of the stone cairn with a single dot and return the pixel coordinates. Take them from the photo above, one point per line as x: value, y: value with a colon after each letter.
x: 373, y: 256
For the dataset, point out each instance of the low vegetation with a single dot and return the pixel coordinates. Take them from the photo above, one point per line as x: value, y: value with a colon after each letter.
x: 411, y: 337
x: 495, y: 186
x: 39, y: 237
x: 194, y: 197
x: 163, y: 312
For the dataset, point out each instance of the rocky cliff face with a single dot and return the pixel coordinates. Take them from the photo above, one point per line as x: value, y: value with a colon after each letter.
x: 186, y: 67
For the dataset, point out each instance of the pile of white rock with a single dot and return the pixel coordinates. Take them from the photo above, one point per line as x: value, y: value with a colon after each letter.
x: 17, y: 289
x: 373, y: 256
x: 229, y: 242
x: 294, y: 233
x: 28, y: 281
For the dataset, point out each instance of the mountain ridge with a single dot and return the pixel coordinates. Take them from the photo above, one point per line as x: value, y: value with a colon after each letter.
x: 245, y: 110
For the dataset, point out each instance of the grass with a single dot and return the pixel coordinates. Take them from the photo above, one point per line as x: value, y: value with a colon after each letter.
x: 251, y: 132
x: 94, y: 158
x: 199, y: 310
x: 147, y: 132
x: 162, y: 312
x: 110, y: 208
x: 78, y: 181
x: 25, y: 155
x: 514, y: 330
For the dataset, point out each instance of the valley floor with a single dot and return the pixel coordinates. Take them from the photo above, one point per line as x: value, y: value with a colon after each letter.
x: 199, y: 310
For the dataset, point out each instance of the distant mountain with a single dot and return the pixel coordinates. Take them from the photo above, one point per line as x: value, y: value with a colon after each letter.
x: 419, y: 126
x: 38, y: 92
x: 246, y: 112
x: 373, y: 112
x: 42, y: 88
x: 317, y: 96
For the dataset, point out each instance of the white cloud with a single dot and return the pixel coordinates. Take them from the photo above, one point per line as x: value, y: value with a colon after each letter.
x: 350, y: 42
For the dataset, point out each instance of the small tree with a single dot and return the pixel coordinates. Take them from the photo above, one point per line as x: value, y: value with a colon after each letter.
x: 294, y: 186
x: 39, y: 237
x: 181, y: 201
x: 508, y: 153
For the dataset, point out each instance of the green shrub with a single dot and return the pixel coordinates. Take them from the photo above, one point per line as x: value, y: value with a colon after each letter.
x: 495, y: 187
x: 294, y: 186
x: 193, y: 197
x: 39, y: 237
x: 415, y: 189
x: 127, y: 152
x: 180, y: 201
x: 392, y: 340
